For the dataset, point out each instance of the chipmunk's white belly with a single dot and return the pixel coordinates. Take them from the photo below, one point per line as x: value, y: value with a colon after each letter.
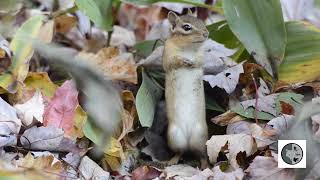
x: 185, y: 106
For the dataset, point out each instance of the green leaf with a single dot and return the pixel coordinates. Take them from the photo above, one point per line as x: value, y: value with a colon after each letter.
x: 22, y: 52
x: 302, y: 59
x: 249, y: 112
x: 198, y: 3
x: 260, y: 27
x: 145, y: 48
x: 147, y: 97
x: 295, y: 100
x: 99, y: 11
x: 221, y: 33
x: 213, y: 105
x: 93, y: 133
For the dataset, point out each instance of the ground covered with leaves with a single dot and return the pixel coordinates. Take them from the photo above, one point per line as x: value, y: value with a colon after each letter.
x: 82, y: 88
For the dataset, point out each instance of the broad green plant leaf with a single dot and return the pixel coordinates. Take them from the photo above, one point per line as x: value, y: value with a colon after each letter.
x: 22, y: 52
x: 221, y: 33
x: 145, y: 48
x: 197, y: 3
x: 302, y: 59
x: 99, y: 11
x: 148, y: 95
x: 260, y: 27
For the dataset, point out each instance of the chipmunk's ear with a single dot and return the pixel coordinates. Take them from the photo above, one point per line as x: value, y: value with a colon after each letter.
x: 172, y: 17
x: 190, y: 13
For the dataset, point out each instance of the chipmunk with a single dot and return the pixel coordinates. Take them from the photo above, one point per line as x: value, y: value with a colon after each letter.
x: 184, y: 92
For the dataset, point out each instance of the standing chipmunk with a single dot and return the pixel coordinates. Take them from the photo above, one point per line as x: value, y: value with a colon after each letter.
x: 184, y: 92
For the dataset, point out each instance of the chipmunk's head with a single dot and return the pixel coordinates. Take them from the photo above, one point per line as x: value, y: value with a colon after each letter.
x: 188, y: 28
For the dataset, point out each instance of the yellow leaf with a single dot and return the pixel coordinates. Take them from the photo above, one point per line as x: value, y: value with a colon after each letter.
x: 21, y: 47
x: 79, y: 121
x: 41, y: 81
x: 64, y: 23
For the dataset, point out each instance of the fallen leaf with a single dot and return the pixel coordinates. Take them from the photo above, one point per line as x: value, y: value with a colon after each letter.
x: 34, y: 108
x: 281, y: 124
x: 235, y: 142
x: 41, y: 81
x: 113, y: 64
x: 79, y: 120
x: 9, y: 124
x: 22, y: 51
x: 217, y: 57
x: 138, y: 19
x: 114, y: 154
x: 64, y: 23
x: 91, y: 170
x: 159, y: 30
x: 180, y: 171
x: 263, y: 136
x: 122, y: 37
x: 44, y: 163
x: 61, y: 109
x: 263, y: 89
x: 226, y: 118
x: 265, y: 103
x: 264, y: 167
x: 293, y: 99
x: 145, y: 172
x: 227, y: 79
x: 129, y: 113
x: 235, y: 174
x: 42, y: 138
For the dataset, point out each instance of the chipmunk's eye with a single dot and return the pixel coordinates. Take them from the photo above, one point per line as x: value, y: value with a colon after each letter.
x: 187, y: 27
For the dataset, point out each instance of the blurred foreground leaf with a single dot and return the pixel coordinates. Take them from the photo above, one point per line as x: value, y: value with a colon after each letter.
x: 102, y: 102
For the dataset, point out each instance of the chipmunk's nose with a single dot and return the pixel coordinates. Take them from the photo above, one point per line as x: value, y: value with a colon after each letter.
x: 206, y: 34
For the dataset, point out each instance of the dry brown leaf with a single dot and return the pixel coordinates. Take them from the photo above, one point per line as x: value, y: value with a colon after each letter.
x: 227, y: 118
x: 236, y: 143
x: 47, y: 164
x: 128, y: 113
x: 113, y: 64
x: 64, y: 23
x: 139, y: 19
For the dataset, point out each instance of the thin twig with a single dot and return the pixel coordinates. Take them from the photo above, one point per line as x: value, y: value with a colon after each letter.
x: 257, y: 97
